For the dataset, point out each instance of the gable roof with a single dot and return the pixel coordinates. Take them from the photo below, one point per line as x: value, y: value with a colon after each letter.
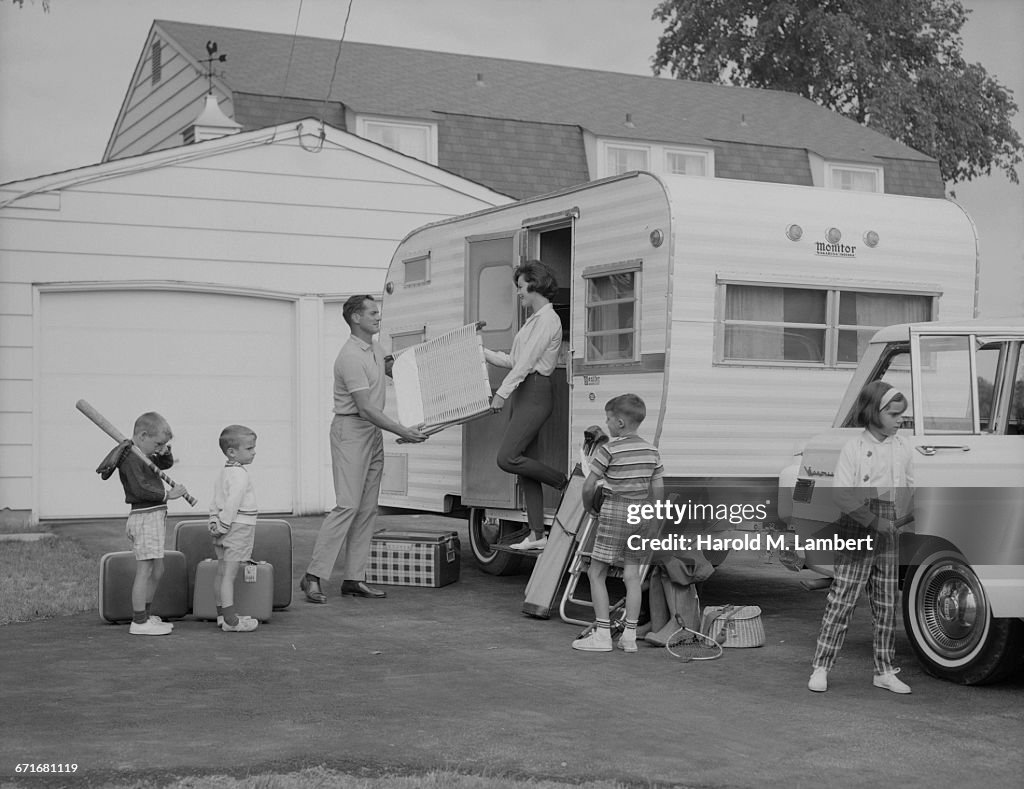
x: 387, y: 80
x: 307, y: 132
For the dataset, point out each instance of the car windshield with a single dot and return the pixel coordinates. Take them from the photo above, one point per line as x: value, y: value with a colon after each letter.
x: 893, y: 367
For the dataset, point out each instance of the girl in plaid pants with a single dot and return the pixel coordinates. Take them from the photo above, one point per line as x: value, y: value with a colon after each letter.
x: 872, y: 485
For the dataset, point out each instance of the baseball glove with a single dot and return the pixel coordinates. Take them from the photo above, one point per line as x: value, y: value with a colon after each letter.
x: 164, y: 461
x: 114, y: 459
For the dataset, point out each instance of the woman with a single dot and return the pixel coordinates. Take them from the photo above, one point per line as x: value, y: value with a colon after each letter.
x: 527, y: 389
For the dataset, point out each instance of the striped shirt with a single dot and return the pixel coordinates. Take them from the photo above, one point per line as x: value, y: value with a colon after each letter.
x: 628, y: 465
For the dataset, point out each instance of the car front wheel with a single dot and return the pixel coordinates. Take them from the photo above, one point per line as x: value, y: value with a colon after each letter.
x: 950, y: 625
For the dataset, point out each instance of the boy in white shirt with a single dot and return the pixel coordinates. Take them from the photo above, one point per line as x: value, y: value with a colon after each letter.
x: 232, y: 523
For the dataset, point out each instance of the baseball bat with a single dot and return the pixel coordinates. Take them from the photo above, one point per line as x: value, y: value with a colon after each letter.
x: 105, y: 425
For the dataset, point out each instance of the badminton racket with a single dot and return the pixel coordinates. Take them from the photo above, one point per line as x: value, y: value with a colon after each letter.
x: 686, y: 644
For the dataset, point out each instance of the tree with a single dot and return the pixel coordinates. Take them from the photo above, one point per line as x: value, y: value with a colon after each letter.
x: 45, y: 3
x: 893, y: 65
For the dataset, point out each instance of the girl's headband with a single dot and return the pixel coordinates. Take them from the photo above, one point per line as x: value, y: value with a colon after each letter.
x: 889, y: 396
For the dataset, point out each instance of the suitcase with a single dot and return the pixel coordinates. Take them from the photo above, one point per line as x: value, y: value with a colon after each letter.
x: 414, y: 558
x: 117, y: 574
x: 254, y: 590
x: 548, y: 571
x: 273, y: 544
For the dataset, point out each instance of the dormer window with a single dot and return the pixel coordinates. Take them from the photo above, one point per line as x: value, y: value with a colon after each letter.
x: 620, y: 159
x: 616, y: 157
x: 415, y: 139
x: 854, y: 177
x: 683, y: 162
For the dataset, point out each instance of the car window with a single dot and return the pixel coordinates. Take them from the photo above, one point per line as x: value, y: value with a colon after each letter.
x: 1015, y: 426
x: 986, y: 368
x: 946, y: 385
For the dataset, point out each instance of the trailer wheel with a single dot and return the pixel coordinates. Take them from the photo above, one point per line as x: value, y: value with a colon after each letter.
x: 484, y: 531
x: 949, y: 622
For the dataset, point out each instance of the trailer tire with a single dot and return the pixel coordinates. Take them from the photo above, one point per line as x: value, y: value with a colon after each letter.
x: 949, y: 622
x: 482, y: 532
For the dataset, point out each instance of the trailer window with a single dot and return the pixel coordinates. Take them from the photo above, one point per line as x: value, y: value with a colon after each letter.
x: 417, y: 269
x: 496, y: 297
x: 775, y: 324
x: 824, y: 327
x: 862, y: 314
x: 611, y: 315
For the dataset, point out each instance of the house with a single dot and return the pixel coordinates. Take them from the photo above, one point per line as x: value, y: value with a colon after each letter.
x: 519, y: 128
x: 203, y: 281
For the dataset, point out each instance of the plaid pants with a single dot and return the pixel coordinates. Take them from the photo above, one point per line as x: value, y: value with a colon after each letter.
x: 876, y: 570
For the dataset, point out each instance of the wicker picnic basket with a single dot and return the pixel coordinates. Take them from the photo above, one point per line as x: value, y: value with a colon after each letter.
x: 736, y: 626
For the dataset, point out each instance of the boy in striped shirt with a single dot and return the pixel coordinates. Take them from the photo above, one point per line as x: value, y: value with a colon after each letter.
x: 633, y: 475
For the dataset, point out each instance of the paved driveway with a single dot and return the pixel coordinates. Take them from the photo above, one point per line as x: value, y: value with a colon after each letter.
x: 458, y: 678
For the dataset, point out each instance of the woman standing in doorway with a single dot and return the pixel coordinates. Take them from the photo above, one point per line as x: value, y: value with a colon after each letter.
x: 528, y: 391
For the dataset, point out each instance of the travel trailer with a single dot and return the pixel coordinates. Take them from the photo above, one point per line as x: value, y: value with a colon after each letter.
x: 736, y: 309
x: 962, y: 552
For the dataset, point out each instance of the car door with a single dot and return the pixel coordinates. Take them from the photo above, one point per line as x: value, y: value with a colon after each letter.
x: 969, y: 453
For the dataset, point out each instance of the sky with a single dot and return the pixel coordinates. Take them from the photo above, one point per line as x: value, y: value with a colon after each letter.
x: 64, y: 74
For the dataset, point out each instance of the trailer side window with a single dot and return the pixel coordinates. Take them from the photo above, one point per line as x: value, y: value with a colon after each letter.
x: 775, y: 324
x: 417, y: 269
x: 612, y: 313
x: 825, y: 327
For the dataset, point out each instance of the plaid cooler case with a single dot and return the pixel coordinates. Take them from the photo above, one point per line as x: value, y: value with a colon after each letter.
x: 414, y: 558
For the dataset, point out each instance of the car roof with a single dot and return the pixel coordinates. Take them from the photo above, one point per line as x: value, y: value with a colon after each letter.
x: 901, y: 331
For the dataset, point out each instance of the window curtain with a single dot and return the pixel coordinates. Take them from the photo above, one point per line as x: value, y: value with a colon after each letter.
x: 753, y: 304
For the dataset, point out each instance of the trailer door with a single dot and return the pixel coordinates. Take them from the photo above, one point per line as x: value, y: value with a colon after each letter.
x: 490, y: 297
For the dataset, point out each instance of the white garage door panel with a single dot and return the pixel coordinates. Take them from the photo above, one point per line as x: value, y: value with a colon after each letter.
x: 202, y: 360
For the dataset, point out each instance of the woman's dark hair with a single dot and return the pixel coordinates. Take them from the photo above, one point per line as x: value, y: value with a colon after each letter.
x: 538, y: 277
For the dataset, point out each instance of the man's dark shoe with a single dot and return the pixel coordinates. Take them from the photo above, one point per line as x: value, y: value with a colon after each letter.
x: 311, y: 586
x: 360, y: 589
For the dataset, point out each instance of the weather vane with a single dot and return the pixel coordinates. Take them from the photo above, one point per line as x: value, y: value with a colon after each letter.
x: 211, y: 50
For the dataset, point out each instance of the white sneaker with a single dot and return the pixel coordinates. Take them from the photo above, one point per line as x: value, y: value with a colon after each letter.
x: 220, y: 619
x: 598, y: 641
x: 244, y: 626
x: 890, y: 681
x: 155, y: 620
x: 150, y: 629
x: 626, y: 644
x: 531, y: 545
x: 818, y: 681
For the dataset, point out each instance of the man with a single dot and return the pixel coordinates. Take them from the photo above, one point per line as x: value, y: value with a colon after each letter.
x: 357, y: 455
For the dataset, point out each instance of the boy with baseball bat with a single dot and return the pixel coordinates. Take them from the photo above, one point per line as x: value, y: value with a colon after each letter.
x: 144, y: 491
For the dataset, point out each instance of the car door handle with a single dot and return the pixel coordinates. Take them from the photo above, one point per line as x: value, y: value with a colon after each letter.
x: 931, y: 449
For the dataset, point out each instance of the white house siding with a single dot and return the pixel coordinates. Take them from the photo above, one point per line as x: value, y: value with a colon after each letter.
x: 152, y: 117
x: 745, y: 421
x: 255, y: 225
x: 203, y: 360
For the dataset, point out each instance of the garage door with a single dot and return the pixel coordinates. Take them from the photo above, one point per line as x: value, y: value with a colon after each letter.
x: 203, y: 360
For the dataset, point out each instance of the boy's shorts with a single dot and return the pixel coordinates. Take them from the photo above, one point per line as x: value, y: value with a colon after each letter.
x: 611, y: 543
x: 147, y: 533
x: 236, y: 545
